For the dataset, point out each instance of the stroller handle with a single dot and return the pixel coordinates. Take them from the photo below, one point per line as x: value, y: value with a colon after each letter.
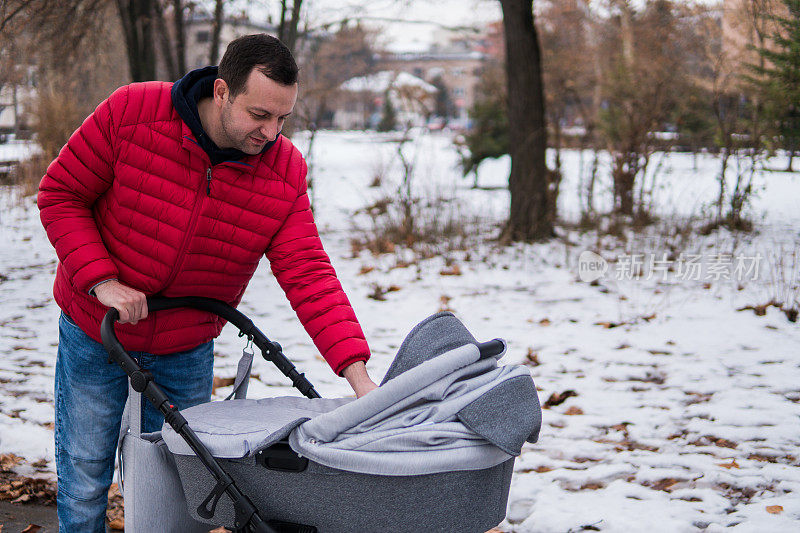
x: 271, y: 351
x: 247, y: 517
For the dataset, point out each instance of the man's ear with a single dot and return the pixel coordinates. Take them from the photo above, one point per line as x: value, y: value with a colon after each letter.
x: 221, y: 91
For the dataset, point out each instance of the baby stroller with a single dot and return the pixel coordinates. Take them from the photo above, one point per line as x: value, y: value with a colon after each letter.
x: 432, y: 448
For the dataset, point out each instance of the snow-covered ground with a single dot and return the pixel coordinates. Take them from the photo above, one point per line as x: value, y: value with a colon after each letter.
x: 685, y: 413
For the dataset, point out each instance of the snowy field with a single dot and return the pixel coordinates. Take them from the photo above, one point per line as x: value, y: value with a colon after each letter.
x: 683, y: 415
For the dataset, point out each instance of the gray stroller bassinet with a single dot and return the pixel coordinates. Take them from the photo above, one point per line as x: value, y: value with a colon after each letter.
x: 431, y: 449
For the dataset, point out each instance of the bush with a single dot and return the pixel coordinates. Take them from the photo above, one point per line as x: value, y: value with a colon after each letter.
x: 56, y: 116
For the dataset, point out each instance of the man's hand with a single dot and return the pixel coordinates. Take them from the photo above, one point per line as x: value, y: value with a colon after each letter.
x: 131, y: 304
x: 356, y: 375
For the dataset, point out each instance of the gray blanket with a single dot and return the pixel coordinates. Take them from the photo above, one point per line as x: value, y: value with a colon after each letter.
x: 439, y: 408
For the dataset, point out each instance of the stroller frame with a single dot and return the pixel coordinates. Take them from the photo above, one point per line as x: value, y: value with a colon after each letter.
x: 278, y: 457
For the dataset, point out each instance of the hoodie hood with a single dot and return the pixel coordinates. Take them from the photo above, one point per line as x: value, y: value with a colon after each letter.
x: 186, y: 93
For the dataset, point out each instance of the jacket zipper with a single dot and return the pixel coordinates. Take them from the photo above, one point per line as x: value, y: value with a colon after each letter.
x: 195, y: 216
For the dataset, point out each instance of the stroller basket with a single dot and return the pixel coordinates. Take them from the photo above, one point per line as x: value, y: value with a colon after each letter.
x: 432, y: 448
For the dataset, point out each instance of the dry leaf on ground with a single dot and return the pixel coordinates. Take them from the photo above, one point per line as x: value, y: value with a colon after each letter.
x: 221, y: 382
x: 7, y: 460
x: 454, y: 270
x: 774, y: 509
x: 557, y: 398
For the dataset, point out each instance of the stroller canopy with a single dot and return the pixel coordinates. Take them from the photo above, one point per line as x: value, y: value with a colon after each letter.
x: 440, y: 407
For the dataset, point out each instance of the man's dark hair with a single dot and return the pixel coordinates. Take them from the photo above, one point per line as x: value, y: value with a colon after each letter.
x: 261, y: 51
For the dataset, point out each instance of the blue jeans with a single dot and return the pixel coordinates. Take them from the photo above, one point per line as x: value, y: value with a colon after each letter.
x: 90, y: 395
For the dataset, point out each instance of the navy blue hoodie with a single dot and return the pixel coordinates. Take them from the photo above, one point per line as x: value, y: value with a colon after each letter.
x: 186, y: 93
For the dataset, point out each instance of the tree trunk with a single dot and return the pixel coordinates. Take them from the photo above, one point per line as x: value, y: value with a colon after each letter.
x: 528, y: 183
x: 287, y: 29
x: 624, y: 173
x: 291, y: 38
x: 180, y: 36
x: 137, y: 23
x: 216, y: 29
x: 165, y: 42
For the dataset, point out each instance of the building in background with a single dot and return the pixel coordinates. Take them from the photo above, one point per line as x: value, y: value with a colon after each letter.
x: 361, y: 100
x: 453, y: 64
x: 199, y: 30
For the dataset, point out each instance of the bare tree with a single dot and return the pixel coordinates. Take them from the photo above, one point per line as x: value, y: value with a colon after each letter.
x: 644, y: 76
x: 216, y: 30
x: 289, y: 22
x: 170, y: 26
x: 138, y: 20
x: 327, y: 63
x: 737, y: 106
x: 178, y: 16
x: 570, y: 79
x: 530, y: 215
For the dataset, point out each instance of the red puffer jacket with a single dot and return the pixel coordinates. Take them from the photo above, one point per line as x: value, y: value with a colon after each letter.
x: 128, y: 198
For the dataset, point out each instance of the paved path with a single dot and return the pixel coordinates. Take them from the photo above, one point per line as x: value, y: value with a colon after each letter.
x: 14, y: 518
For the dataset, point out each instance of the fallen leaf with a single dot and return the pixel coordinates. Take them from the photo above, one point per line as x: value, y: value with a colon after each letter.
x: 32, y: 528
x: 708, y: 440
x: 607, y: 325
x: 221, y: 382
x: 774, y: 509
x: 557, y: 398
x: 574, y: 411
x: 7, y: 460
x: 454, y: 270
x: 532, y: 358
x: 444, y: 303
x: 665, y: 484
x: 732, y: 464
x: 365, y: 270
x: 544, y: 322
x: 117, y: 524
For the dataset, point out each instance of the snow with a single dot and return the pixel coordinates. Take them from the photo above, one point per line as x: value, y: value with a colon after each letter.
x: 15, y: 151
x: 687, y: 408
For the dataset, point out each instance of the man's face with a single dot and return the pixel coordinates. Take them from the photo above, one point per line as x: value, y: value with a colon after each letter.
x: 255, y: 116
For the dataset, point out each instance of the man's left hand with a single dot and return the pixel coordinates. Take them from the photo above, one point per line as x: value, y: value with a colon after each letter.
x: 356, y: 374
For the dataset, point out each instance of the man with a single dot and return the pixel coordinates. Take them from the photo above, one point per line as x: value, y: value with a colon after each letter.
x: 178, y: 189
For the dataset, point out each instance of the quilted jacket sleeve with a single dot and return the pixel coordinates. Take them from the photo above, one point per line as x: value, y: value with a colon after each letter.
x: 81, y: 173
x: 306, y: 275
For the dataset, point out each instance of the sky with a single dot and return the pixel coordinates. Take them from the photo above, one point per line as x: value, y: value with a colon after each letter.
x: 407, y: 25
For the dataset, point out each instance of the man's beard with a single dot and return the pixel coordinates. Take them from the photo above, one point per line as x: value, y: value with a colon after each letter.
x: 232, y: 135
